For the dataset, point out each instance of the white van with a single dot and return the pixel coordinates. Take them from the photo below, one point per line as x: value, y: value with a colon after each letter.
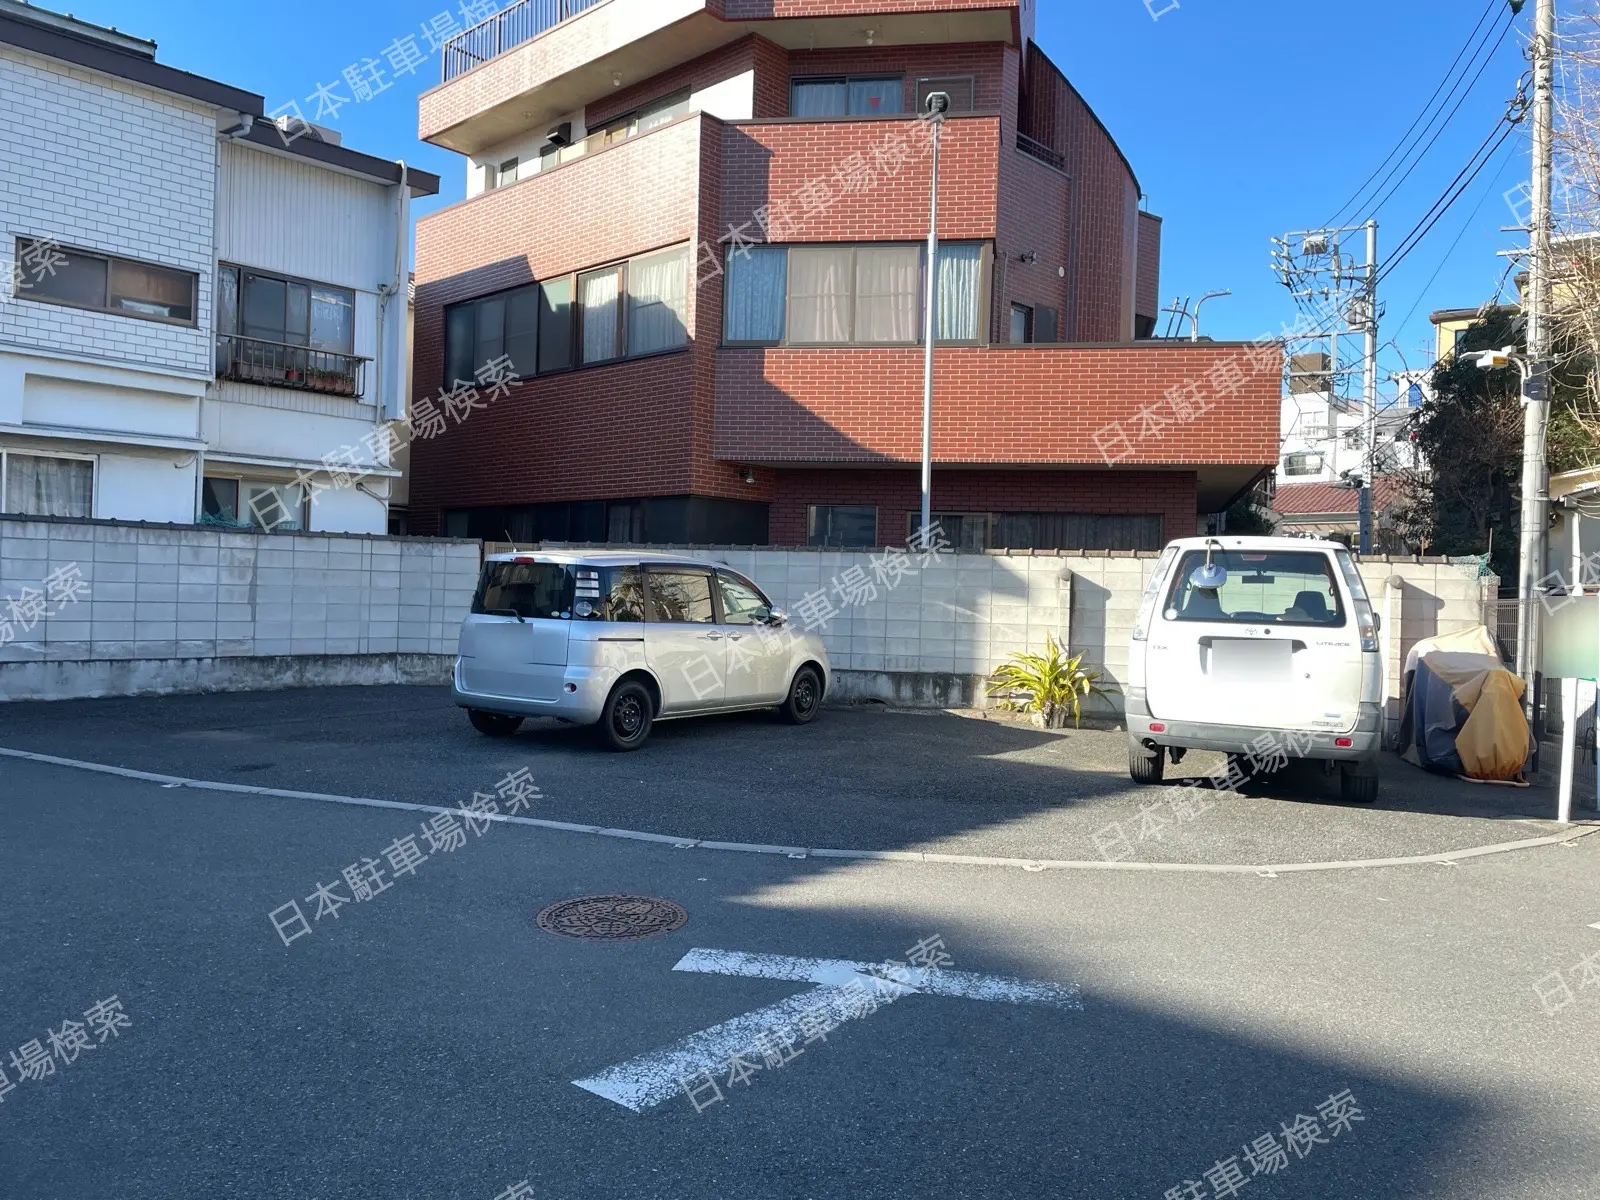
x: 1261, y: 647
x: 621, y: 640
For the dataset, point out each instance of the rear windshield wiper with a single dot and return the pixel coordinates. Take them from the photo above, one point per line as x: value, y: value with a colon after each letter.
x: 506, y: 612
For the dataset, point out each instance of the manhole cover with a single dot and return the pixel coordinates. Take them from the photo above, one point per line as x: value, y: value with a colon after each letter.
x: 612, y: 918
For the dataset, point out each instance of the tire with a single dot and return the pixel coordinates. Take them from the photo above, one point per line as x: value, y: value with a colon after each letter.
x: 626, y: 719
x: 805, y: 697
x: 1356, y: 787
x: 495, y: 725
x: 1145, y: 765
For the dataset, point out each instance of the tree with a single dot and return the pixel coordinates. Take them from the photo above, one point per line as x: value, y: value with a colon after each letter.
x: 1470, y: 436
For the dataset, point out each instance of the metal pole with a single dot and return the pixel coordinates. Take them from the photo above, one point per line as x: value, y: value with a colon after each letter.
x: 930, y: 330
x: 1569, y: 688
x: 1535, y: 389
x: 1195, y: 334
x: 1369, y: 400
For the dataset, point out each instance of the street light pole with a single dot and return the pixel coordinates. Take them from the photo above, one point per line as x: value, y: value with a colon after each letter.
x: 938, y: 105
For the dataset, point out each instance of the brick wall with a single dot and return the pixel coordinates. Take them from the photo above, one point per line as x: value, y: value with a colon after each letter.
x: 1025, y: 405
x: 898, y: 494
x: 803, y: 172
x: 139, y: 181
x: 1147, y: 298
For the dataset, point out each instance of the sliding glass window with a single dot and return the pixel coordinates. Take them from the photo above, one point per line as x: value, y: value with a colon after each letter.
x: 869, y: 295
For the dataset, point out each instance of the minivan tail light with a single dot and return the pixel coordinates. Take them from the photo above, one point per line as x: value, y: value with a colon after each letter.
x: 1367, y: 625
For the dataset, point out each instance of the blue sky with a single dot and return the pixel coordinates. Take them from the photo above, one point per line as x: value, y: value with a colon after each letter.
x: 1243, y: 119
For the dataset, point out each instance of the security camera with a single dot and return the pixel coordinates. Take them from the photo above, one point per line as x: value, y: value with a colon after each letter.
x: 938, y: 103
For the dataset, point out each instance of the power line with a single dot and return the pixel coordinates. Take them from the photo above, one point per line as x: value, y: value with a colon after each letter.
x: 1352, y: 202
x: 1433, y: 141
x: 1452, y: 192
x: 1466, y: 225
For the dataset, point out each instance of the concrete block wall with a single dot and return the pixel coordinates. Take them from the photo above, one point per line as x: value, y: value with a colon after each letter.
x: 935, y: 636
x: 173, y: 608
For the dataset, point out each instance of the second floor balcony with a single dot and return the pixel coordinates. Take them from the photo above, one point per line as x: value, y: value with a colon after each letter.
x: 286, y: 365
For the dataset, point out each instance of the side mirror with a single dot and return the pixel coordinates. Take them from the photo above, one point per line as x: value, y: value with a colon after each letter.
x: 1377, y: 621
x: 777, y: 617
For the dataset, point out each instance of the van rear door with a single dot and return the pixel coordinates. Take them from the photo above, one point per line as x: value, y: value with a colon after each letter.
x: 514, y: 642
x: 1275, y: 646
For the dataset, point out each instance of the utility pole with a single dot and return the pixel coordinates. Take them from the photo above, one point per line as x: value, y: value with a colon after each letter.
x: 1536, y: 380
x: 1369, y: 397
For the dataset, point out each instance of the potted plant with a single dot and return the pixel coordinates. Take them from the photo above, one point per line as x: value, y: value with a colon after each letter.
x: 1047, y: 686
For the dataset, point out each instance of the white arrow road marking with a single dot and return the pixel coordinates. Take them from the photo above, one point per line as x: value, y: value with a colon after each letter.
x: 649, y: 1079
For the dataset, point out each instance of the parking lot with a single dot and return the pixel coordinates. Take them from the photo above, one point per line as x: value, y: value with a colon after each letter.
x: 861, y: 779
x: 435, y: 1041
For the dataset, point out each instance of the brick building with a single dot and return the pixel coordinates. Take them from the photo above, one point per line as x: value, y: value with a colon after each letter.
x: 698, y: 228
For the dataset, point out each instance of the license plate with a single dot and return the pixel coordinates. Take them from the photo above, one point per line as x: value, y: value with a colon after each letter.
x: 1235, y: 660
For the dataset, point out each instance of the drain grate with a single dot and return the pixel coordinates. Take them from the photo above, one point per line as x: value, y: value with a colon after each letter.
x: 612, y: 918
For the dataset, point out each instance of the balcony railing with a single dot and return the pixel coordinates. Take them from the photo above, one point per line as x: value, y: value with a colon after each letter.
x: 280, y: 364
x: 1037, y: 149
x: 510, y: 27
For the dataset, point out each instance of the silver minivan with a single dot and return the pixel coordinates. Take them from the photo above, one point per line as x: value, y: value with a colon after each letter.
x: 621, y: 640
x: 1263, y: 647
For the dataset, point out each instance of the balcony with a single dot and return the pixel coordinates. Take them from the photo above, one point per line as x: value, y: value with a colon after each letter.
x: 283, y: 365
x: 527, y: 67
x: 511, y: 27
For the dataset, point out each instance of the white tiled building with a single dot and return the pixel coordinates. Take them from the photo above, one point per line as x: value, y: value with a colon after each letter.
x: 201, y: 318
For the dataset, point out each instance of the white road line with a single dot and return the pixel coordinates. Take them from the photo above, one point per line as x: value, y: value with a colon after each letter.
x: 926, y: 858
x: 965, y: 985
x: 647, y: 1080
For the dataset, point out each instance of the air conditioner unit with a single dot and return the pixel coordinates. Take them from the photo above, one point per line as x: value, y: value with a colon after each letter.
x: 561, y: 135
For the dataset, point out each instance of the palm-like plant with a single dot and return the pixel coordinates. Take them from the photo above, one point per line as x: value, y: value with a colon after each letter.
x: 1050, y: 685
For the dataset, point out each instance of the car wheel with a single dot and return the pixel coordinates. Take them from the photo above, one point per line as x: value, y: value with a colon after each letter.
x: 1356, y: 786
x: 625, y: 723
x: 805, y: 697
x: 497, y: 725
x: 1146, y: 764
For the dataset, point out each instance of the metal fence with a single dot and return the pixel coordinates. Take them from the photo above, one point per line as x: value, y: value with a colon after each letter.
x: 515, y: 24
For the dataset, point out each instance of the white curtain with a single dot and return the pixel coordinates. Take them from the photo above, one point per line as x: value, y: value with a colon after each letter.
x: 876, y: 97
x: 757, y: 289
x: 819, y: 296
x: 598, y: 296
x: 956, y: 300
x: 888, y: 280
x: 49, y: 487
x: 819, y: 99
x: 658, y: 302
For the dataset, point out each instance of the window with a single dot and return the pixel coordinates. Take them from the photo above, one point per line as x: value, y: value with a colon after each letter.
x: 962, y: 531
x: 39, y: 485
x: 219, y: 503
x: 742, y: 601
x: 959, y: 292
x: 758, y: 285
x: 295, y: 312
x: 274, y: 506
x: 960, y: 89
x: 53, y: 274
x: 1286, y: 588
x: 642, y: 120
x: 658, y: 302
x: 624, y: 595
x: 1021, y: 324
x: 534, y: 591
x: 600, y: 315
x: 507, y: 172
x: 1302, y: 464
x: 555, y: 325
x: 847, y: 97
x: 888, y: 280
x: 842, y: 525
x: 481, y: 331
x: 844, y: 295
x: 681, y: 598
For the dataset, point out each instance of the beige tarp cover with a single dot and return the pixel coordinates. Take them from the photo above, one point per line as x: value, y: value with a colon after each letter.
x: 1493, y: 741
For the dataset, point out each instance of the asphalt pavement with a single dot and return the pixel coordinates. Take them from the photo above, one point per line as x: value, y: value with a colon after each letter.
x: 425, y: 1043
x: 858, y: 778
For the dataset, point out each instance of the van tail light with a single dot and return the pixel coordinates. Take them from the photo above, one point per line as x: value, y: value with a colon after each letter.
x: 1367, y: 625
